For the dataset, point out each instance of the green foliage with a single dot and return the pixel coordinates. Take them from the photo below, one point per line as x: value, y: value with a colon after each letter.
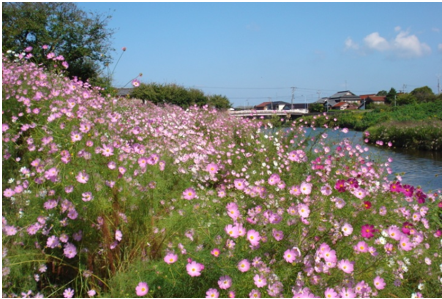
x: 382, y: 93
x: 390, y: 96
x: 82, y: 38
x: 177, y: 95
x: 405, y: 99
x: 316, y: 107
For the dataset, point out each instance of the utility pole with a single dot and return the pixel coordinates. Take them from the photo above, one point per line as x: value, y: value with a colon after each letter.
x: 404, y: 87
x: 293, y: 96
x: 319, y: 94
x: 438, y: 85
x: 271, y: 103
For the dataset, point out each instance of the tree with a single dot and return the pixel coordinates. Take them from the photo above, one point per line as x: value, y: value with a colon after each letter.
x: 83, y: 39
x: 390, y: 96
x: 406, y: 99
x: 219, y: 102
x: 424, y: 94
x: 382, y: 93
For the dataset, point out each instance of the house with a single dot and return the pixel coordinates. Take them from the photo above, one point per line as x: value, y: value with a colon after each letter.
x: 277, y: 105
x: 124, y: 92
x: 345, y: 96
x: 345, y: 106
x: 365, y: 96
x: 375, y: 100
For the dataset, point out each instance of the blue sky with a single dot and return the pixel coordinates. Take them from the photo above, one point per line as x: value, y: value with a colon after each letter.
x: 251, y: 52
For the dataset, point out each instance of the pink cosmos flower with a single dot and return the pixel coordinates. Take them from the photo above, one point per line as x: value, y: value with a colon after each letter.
x: 359, y: 193
x: 232, y: 231
x: 367, y: 231
x: 75, y: 136
x: 330, y: 256
x: 10, y: 230
x: 194, y: 268
x: 347, y: 229
x: 330, y: 293
x: 244, y: 265
x: 405, y: 243
x: 82, y: 177
x: 215, y: 252
x: 295, y: 190
x: 170, y: 258
x: 306, y: 188
x: 290, y: 255
x: 135, y: 83
x: 379, y: 283
x: 274, y: 179
x: 107, y: 150
x: 347, y: 293
x: 68, y: 293
x: 189, y: 194
x: 239, y: 184
x: 212, y: 168
x: 70, y: 250
x: 394, y: 232
x: 8, y: 192
x: 118, y: 235
x: 255, y: 294
x: 278, y: 234
x: 361, y: 247
x: 253, y: 237
x: 231, y: 294
x: 142, y: 289
x: 224, y: 282
x: 87, y: 196
x: 346, y: 266
x: 52, y: 242
x: 260, y: 281
x: 212, y: 293
x: 303, y: 210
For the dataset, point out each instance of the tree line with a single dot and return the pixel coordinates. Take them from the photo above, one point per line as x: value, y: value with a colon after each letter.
x: 178, y: 95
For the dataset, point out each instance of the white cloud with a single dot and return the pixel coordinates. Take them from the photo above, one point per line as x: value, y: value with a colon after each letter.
x: 350, y: 44
x: 439, y: 47
x: 409, y: 45
x: 403, y: 45
x: 376, y: 42
x: 435, y: 29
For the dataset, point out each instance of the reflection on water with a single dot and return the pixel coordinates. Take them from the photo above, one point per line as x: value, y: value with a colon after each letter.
x: 417, y: 168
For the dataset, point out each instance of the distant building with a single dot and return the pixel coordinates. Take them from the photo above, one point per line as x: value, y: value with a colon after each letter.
x: 377, y: 100
x: 124, y: 92
x: 345, y: 96
x: 277, y: 105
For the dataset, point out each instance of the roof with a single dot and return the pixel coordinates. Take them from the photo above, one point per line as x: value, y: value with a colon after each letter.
x: 364, y: 96
x: 124, y: 91
x: 263, y: 104
x: 341, y: 104
x: 377, y: 98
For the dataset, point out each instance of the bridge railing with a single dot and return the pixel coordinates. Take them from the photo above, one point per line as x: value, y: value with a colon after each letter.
x: 267, y: 112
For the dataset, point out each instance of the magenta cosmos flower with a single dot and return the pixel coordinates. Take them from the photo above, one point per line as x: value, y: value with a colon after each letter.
x: 189, y: 194
x: 142, y: 289
x: 368, y: 231
x: 171, y: 258
x: 194, y: 268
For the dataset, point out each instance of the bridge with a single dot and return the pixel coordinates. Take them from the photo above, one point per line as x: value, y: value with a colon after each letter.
x: 252, y: 113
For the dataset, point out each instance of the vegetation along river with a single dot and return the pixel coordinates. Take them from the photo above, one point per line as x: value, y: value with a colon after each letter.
x: 417, y: 168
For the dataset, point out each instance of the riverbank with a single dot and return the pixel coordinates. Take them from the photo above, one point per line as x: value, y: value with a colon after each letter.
x: 417, y: 126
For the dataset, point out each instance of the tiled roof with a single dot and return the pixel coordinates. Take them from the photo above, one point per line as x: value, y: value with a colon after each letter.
x: 263, y: 104
x: 377, y: 98
x: 364, y: 96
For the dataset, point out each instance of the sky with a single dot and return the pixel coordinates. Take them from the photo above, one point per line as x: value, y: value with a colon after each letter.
x: 256, y: 52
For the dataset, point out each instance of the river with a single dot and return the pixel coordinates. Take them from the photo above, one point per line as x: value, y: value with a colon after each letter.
x: 417, y: 168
